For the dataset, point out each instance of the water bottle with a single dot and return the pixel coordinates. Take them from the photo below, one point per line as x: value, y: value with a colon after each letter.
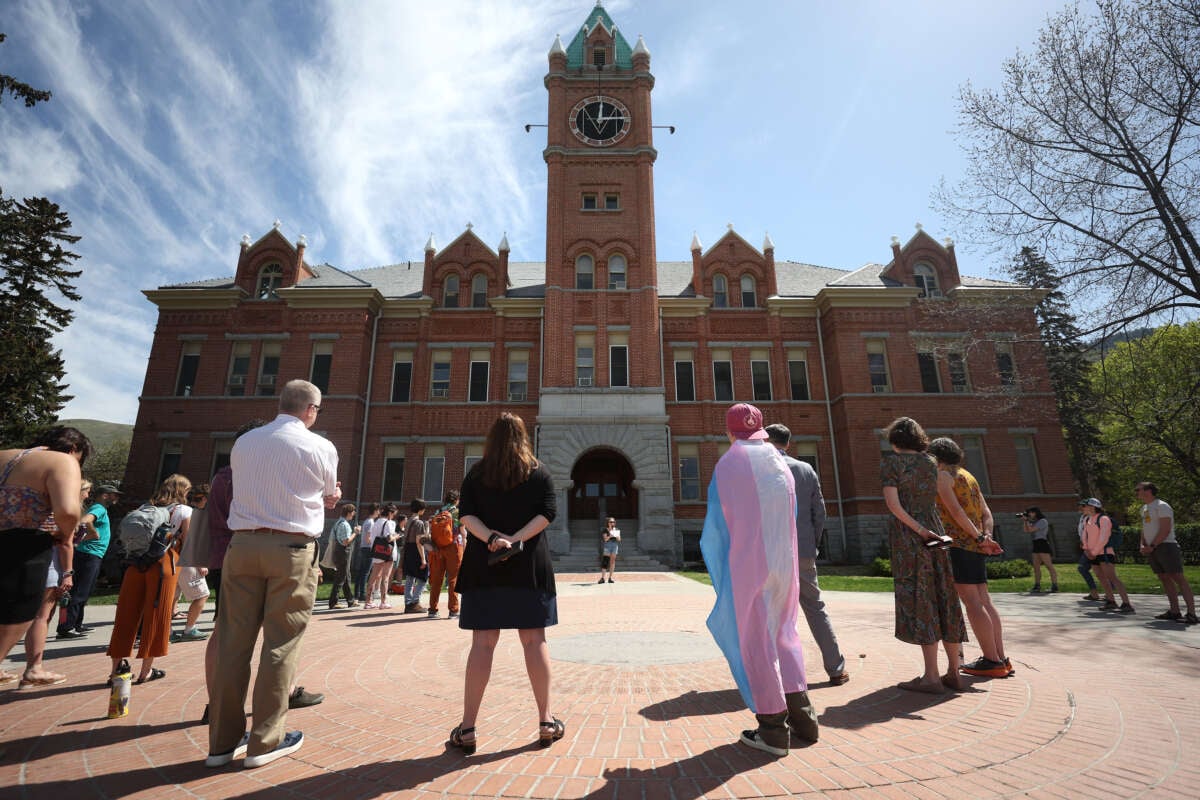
x: 64, y: 599
x: 118, y: 699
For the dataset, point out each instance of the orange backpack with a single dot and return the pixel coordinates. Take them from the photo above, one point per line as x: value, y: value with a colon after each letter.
x: 441, y: 528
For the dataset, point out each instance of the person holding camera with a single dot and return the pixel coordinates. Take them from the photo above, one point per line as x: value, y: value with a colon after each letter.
x: 611, y: 536
x: 1038, y: 526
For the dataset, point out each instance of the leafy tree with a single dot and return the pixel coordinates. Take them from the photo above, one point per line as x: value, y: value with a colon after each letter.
x: 1090, y: 152
x: 34, y: 272
x: 1068, y: 365
x: 108, y: 464
x: 1148, y: 391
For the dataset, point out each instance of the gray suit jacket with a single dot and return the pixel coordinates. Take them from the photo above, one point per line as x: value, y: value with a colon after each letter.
x: 810, y: 507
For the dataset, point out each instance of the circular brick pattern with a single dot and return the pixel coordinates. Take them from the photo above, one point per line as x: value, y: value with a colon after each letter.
x: 635, y: 648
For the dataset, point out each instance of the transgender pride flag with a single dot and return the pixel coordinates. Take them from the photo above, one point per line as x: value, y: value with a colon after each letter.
x: 749, y: 545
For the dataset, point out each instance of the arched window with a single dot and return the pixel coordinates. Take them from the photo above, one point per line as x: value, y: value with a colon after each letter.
x: 616, y: 271
x: 479, y: 291
x: 270, y: 278
x: 450, y: 293
x: 585, y: 268
x: 720, y: 292
x: 749, y: 300
x: 926, y: 280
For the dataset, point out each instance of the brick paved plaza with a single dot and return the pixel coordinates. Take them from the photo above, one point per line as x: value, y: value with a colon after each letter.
x: 1100, y: 706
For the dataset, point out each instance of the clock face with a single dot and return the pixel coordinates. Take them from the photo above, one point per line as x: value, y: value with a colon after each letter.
x: 599, y: 121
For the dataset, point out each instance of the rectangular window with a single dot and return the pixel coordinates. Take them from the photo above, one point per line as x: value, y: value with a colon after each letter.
x: 798, y: 375
x: 618, y: 365
x: 518, y: 376
x: 189, y: 363
x: 974, y: 461
x: 239, y: 368
x: 1031, y: 481
x: 958, y: 372
x: 877, y: 365
x: 589, y: 202
x: 612, y: 202
x: 402, y: 377
x: 807, y: 452
x: 439, y: 387
x: 479, y: 379
x: 723, y: 381
x: 472, y: 455
x: 685, y: 382
x: 322, y: 362
x: 1004, y: 364
x: 689, y: 472
x: 585, y: 360
x: 393, y: 473
x: 435, y: 465
x: 760, y: 374
x: 172, y: 454
x: 221, y: 451
x: 268, y: 368
x: 928, y: 367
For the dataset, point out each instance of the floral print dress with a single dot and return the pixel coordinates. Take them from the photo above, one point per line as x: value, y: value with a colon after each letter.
x: 927, y: 609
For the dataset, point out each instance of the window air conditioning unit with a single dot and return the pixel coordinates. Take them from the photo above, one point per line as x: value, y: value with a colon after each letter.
x: 266, y: 380
x: 933, y: 293
x: 880, y: 388
x: 516, y: 397
x: 237, y: 380
x: 583, y: 381
x: 440, y: 391
x: 962, y: 389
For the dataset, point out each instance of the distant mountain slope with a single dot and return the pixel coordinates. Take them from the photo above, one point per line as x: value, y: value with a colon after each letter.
x: 99, y: 432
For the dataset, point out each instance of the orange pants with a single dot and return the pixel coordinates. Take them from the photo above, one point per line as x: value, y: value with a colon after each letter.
x: 147, y: 600
x: 444, y: 561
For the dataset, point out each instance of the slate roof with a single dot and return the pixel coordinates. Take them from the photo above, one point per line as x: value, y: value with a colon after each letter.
x: 622, y: 52
x: 528, y: 279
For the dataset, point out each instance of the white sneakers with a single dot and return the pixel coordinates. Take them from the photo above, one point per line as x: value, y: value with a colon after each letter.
x: 290, y: 744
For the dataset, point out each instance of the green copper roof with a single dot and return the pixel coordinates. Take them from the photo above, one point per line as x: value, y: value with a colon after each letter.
x: 622, y: 52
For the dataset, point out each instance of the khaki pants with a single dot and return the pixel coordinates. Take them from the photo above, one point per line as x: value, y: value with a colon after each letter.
x: 444, y: 562
x: 268, y: 583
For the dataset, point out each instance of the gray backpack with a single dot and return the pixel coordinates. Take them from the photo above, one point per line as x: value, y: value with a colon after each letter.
x: 145, y: 534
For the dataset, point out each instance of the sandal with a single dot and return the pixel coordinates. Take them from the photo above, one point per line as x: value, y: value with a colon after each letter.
x: 551, y: 732
x: 8, y: 678
x: 918, y: 684
x: 154, y: 675
x: 463, y: 739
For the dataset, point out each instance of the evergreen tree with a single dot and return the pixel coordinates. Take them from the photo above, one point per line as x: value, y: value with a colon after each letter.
x: 34, y: 272
x: 1069, y: 368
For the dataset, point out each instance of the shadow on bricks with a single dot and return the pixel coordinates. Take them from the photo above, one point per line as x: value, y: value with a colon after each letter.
x: 695, y: 704
x: 35, y: 748
x: 881, y: 705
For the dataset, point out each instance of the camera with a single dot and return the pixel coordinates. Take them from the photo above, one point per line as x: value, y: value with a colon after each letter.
x: 1022, y: 515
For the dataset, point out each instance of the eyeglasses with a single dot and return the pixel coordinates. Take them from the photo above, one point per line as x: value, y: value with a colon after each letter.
x: 314, y: 405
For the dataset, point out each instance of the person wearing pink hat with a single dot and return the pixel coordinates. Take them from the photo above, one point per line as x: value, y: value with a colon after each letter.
x: 749, y: 545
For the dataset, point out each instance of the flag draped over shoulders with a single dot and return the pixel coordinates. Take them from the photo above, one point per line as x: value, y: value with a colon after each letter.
x: 749, y: 546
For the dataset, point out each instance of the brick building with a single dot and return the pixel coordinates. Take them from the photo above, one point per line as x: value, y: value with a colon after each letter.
x: 621, y: 364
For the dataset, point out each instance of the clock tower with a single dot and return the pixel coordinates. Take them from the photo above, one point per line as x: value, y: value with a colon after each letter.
x: 602, y: 422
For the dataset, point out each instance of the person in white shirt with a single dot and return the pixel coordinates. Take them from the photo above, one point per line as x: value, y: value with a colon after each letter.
x: 285, y: 477
x: 362, y: 558
x: 1163, y: 553
x: 612, y: 544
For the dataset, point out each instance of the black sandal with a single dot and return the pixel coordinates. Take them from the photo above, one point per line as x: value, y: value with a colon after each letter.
x: 463, y: 739
x: 155, y: 674
x: 551, y: 732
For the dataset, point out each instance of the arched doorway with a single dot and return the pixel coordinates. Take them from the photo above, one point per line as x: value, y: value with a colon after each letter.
x: 603, y: 485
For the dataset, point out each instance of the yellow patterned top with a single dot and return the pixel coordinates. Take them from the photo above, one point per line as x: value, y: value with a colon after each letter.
x: 966, y: 489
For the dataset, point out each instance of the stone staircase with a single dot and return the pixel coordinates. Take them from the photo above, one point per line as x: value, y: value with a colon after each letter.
x: 585, y: 550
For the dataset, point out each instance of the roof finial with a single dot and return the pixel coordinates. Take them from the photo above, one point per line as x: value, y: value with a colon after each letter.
x: 431, y: 245
x: 895, y: 241
x: 640, y: 47
x: 948, y: 242
x: 277, y: 224
x: 245, y: 240
x: 918, y: 226
x: 767, y: 243
x: 730, y: 226
x: 504, y: 243
x: 302, y: 241
x: 469, y: 225
x: 557, y: 48
x: 696, y: 242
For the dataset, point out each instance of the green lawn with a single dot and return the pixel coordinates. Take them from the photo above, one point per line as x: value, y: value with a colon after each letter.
x: 1138, y: 579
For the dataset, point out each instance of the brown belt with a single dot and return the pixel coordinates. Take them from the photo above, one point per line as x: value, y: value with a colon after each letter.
x: 272, y: 530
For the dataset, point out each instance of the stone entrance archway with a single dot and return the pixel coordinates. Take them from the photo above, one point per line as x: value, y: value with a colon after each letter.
x: 602, y: 487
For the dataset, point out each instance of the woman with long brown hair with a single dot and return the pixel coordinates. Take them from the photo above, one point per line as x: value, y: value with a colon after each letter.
x: 147, y: 596
x: 506, y: 580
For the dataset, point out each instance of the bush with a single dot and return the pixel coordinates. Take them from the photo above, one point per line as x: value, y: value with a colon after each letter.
x: 1187, y: 534
x: 1014, y: 568
x: 882, y: 567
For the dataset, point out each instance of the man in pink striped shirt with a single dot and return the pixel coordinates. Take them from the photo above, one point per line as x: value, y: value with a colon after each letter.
x: 285, y: 476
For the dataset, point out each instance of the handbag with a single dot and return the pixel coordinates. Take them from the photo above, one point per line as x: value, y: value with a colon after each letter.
x: 382, y: 548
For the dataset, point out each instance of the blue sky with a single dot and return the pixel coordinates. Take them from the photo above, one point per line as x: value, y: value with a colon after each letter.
x: 176, y: 127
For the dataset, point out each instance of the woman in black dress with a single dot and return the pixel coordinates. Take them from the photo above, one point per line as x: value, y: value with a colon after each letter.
x: 507, y: 501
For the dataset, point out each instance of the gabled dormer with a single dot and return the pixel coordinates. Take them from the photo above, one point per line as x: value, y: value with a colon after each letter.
x: 733, y: 272
x: 924, y: 263
x: 599, y: 44
x: 270, y: 264
x: 466, y: 272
